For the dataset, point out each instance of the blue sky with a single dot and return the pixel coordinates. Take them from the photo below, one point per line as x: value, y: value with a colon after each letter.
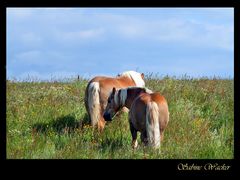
x: 64, y: 42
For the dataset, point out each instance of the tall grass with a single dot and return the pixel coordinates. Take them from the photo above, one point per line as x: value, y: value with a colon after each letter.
x: 48, y: 120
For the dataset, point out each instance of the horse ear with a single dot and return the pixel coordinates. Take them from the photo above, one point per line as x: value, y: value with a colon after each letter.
x: 142, y: 75
x: 114, y: 90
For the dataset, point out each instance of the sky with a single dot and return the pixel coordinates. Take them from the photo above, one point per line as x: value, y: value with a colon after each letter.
x: 47, y: 43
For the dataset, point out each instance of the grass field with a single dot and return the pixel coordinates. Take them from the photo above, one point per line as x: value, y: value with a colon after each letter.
x: 48, y: 120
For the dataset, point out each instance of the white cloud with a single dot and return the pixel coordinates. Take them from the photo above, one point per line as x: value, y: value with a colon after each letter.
x: 49, y: 59
x: 58, y: 38
x: 31, y: 39
x: 188, y: 32
x: 84, y: 26
x: 219, y: 36
x: 28, y: 57
x: 83, y: 34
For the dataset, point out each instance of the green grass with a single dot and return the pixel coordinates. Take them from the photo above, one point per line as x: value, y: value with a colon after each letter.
x: 48, y: 120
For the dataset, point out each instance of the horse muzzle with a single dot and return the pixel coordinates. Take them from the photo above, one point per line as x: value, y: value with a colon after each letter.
x: 107, y: 117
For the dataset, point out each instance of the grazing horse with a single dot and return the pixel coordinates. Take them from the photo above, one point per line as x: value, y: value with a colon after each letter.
x: 148, y: 113
x: 100, y: 87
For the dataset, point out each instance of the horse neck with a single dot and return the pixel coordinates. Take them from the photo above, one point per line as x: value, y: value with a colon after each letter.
x: 128, y: 102
x: 130, y: 99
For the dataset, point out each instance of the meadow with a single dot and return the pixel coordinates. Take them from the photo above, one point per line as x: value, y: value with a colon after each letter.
x: 48, y: 120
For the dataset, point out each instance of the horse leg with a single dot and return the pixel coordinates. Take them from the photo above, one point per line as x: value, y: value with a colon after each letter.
x: 134, y: 136
x: 161, y: 136
x: 144, y: 137
x: 101, y: 124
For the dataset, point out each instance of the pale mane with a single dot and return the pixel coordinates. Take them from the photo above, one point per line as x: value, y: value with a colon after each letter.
x: 137, y: 78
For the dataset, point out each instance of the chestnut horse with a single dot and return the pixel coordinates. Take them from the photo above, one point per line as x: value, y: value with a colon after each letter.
x: 100, y: 87
x: 148, y: 113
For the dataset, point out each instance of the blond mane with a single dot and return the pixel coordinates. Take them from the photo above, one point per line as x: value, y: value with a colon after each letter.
x: 137, y: 78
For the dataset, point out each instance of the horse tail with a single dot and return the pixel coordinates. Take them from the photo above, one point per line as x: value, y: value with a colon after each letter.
x: 152, y: 124
x: 94, y: 102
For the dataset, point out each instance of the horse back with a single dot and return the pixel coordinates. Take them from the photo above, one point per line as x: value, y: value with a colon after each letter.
x: 106, y: 85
